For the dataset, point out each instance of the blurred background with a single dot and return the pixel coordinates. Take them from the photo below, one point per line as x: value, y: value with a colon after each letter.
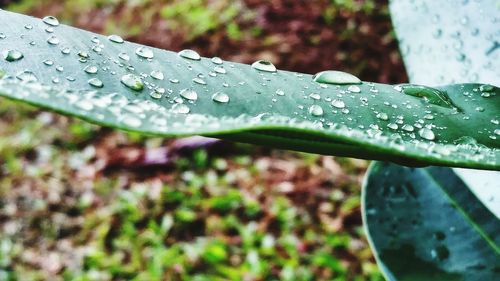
x: 82, y: 202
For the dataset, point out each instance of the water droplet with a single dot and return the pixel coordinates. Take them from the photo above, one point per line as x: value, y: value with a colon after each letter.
x: 132, y: 121
x: 180, y: 108
x: 65, y: 51
x: 354, y: 89
x: 53, y: 40
x: 124, y: 56
x: 133, y: 82
x: 408, y: 128
x: 91, y: 69
x: 280, y: 92
x: 263, y: 65
x: 83, y: 54
x: 220, y: 97
x: 480, y: 109
x: 429, y: 116
x: 189, y: 94
x: 200, y: 81
x: 383, y: 116
x: 220, y: 70
x: 27, y: 76
x: 50, y: 20
x: 158, y: 75
x: 316, y: 110
x: 338, y: 103
x: 49, y: 29
x: 430, y: 95
x: 28, y: 26
x: 95, y: 82
x: 12, y: 55
x: 190, y: 54
x: 2, y: 35
x: 217, y: 60
x: 157, y: 93
x: 486, y: 88
x: 427, y: 134
x: 315, y: 96
x: 115, y: 38
x: 336, y: 77
x: 144, y: 52
x: 497, y: 132
x: 392, y: 126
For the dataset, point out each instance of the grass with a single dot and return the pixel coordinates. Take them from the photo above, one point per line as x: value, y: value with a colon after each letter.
x: 258, y: 214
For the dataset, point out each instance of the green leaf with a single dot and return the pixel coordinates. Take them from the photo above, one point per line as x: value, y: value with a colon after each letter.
x: 428, y: 224
x: 425, y: 224
x: 107, y: 82
x: 448, y: 41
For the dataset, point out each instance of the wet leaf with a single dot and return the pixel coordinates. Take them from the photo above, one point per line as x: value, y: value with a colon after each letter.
x: 425, y: 224
x: 255, y: 104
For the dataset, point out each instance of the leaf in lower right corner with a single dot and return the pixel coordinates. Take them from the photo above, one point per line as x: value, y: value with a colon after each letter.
x: 425, y: 224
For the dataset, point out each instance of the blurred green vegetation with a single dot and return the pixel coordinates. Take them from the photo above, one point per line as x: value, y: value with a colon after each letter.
x: 257, y: 214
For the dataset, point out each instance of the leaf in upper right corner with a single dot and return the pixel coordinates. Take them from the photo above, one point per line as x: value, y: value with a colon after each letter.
x: 425, y: 224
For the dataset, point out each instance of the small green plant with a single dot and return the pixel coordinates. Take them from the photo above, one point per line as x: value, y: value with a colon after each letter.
x: 423, y: 224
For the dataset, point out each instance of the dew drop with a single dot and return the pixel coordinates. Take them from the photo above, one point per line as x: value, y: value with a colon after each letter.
x: 220, y: 97
x: 158, y: 75
x: 316, y: 110
x: 315, y: 96
x: 50, y: 20
x: 383, y: 116
x: 180, y: 108
x: 133, y: 82
x: 144, y: 52
x: 124, y: 56
x: 12, y: 55
x: 486, y: 88
x: 263, y: 65
x: 392, y: 126
x: 354, y: 89
x: 430, y: 95
x: 157, y: 93
x: 336, y: 77
x: 91, y: 69
x: 216, y: 60
x: 189, y: 94
x: 53, y: 40
x: 189, y: 54
x: 116, y: 38
x: 27, y: 76
x: 66, y: 51
x: 280, y: 92
x: 200, y: 81
x: 95, y: 82
x: 338, y: 103
x: 408, y: 128
x: 83, y: 54
x: 427, y: 134
x: 220, y: 70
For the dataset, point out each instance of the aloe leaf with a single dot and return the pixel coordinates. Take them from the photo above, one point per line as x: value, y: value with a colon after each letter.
x: 137, y: 88
x: 442, y: 228
x: 448, y: 41
x: 425, y: 224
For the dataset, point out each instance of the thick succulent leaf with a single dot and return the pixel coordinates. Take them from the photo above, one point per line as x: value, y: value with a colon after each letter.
x: 449, y: 41
x: 427, y: 225
x: 441, y: 229
x: 281, y: 109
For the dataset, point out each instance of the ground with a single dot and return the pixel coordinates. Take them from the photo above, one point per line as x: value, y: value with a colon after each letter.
x: 82, y: 202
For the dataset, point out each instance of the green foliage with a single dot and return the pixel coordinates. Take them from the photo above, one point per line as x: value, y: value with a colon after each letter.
x: 136, y: 88
x: 427, y: 224
x: 424, y: 224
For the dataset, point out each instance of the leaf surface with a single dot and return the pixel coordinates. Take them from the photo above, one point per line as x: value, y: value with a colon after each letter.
x: 425, y: 224
x: 82, y: 74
